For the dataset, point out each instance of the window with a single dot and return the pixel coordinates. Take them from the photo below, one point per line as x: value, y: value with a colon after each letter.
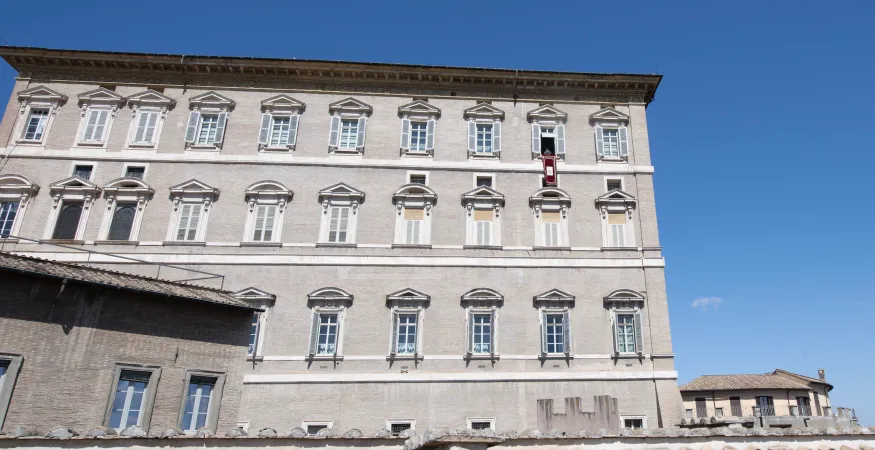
x: 340, y: 205
x: 207, y: 120
x: 627, y: 328
x: 126, y: 198
x: 417, y: 179
x: 257, y: 325
x: 147, y: 124
x: 611, y: 134
x: 688, y: 413
x: 554, y: 333
x: 339, y: 224
x: 484, y: 130
x: 83, y: 171
x: 68, y: 221
x: 617, y: 223
x: 7, y: 217
x: 481, y: 424
x: 718, y: 413
x: 481, y: 306
x: 483, y: 218
x: 128, y: 401
x: 766, y: 405
x: 39, y: 106
x: 135, y: 172
x: 633, y: 422
x: 735, y: 406
x: 72, y: 203
x: 267, y: 201
x: 554, y: 307
x: 122, y: 221
x: 264, y: 223
x: 418, y: 120
x: 413, y: 225
x: 484, y: 139
x: 611, y: 143
x: 15, y: 194
x: 481, y: 328
x: 396, y: 427
x: 407, y: 308
x: 207, y: 129
x: 254, y: 333
x: 701, y: 408
x: 625, y: 306
x: 192, y: 202
x: 616, y: 212
x: 313, y: 428
x: 483, y: 226
x: 348, y: 124
x: 279, y: 123
x: 9, y: 368
x: 189, y: 217
x: 198, y: 402
x: 418, y: 133
x: 36, y: 124
x: 329, y: 307
x: 414, y: 203
x: 550, y: 228
x: 483, y: 180
x: 96, y: 121
x: 405, y: 334
x: 804, y: 404
x: 99, y: 108
x: 548, y: 131
x: 612, y: 183
x: 149, y: 109
x: 326, y: 327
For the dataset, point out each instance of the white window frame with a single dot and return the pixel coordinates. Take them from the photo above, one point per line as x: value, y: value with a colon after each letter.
x: 477, y: 175
x: 548, y: 116
x: 214, y: 405
x: 93, y: 165
x: 621, y: 179
x: 339, y: 195
x: 612, y: 119
x: 38, y: 97
x: 623, y: 418
x: 348, y: 109
x: 566, y: 330
x: 390, y: 422
x: 208, y: 103
x: 482, y: 301
x: 127, y: 165
x: 469, y: 422
x: 306, y: 423
x: 637, y: 336
x: 617, y: 202
x: 561, y: 303
x: 124, y: 190
x: 17, y: 188
x: 626, y: 301
x: 71, y: 190
x: 7, y: 382
x: 135, y: 126
x: 265, y: 302
x: 266, y: 193
x: 191, y: 192
x: 279, y: 106
x: 414, y: 196
x: 483, y: 199
x: 100, y: 99
x: 327, y: 301
x: 412, y: 302
x: 148, y: 101
x: 44, y: 120
x: 411, y: 173
x: 550, y: 200
x: 418, y: 111
x: 484, y: 114
x: 148, y: 400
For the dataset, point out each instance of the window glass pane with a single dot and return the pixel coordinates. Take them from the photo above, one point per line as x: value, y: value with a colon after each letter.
x: 279, y: 130
x: 253, y: 332
x: 349, y: 130
x: 417, y: 179
x: 626, y: 333
x: 208, y: 128
x: 189, y: 217
x: 327, y: 344
x: 484, y: 138
x: 398, y: 428
x: 406, y: 334
x: 122, y: 222
x: 68, y: 221
x: 481, y: 333
x: 135, y: 172
x: 418, y: 136
x: 484, y: 181
x: 555, y: 333
x: 83, y: 172
x: 338, y: 223
x: 36, y: 124
x: 265, y: 216
x: 8, y: 211
x: 611, y: 142
x: 128, y: 400
x: 481, y: 425
x: 197, y: 403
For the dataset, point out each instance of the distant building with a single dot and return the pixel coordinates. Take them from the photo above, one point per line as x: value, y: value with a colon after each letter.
x: 776, y: 399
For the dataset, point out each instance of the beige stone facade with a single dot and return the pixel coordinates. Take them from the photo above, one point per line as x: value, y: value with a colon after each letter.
x: 601, y: 271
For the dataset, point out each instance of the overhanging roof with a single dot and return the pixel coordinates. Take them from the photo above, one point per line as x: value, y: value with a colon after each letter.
x: 741, y: 382
x: 160, y: 68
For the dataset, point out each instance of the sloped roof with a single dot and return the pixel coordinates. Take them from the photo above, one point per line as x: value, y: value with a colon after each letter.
x: 740, y: 382
x: 778, y: 372
x: 89, y: 275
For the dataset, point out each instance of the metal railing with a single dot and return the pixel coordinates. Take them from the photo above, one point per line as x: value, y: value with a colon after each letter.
x: 712, y: 414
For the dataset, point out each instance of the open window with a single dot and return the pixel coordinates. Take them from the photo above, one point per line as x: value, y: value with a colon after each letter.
x: 126, y: 199
x: 483, y: 218
x: 413, y: 203
x: 72, y: 201
x: 16, y: 194
x: 258, y: 327
x: 328, y: 312
x: 99, y: 108
x: 550, y: 211
x: 340, y: 205
x: 207, y: 120
x: 267, y: 202
x: 148, y: 111
x: 611, y: 134
x: 407, y: 310
x: 349, y: 120
x: 615, y: 208
x: 38, y: 107
x: 279, y: 123
x: 192, y: 202
x: 554, y: 311
x: 481, y: 310
x: 200, y: 401
x: 418, y: 121
x: 548, y: 131
x: 484, y: 130
x: 625, y: 306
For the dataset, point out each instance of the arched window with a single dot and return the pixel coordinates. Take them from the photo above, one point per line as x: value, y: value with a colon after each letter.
x: 72, y: 201
x: 68, y: 221
x: 126, y: 199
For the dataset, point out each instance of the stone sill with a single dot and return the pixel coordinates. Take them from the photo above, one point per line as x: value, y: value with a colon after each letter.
x: 323, y: 358
x: 555, y: 249
x: 421, y: 246
x: 261, y: 244
x: 404, y: 358
x: 563, y: 356
x: 482, y: 247
x: 184, y: 243
x: 339, y: 245
x: 114, y: 242
x: 475, y: 357
x: 63, y: 241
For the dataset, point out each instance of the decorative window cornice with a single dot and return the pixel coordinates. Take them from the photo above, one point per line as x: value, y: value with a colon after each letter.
x: 408, y: 298
x: 616, y: 200
x: 194, y: 188
x: 269, y: 190
x: 482, y: 298
x: 283, y: 103
x: 483, y: 196
x: 101, y: 97
x: 211, y: 100
x: 550, y: 199
x: 74, y: 186
x: 341, y: 193
x: 42, y: 94
x: 17, y: 186
x: 483, y: 111
x: 609, y: 115
x: 554, y: 298
x: 255, y: 296
x: 419, y: 109
x: 350, y: 106
x: 133, y: 188
x: 624, y: 298
x: 547, y: 113
x: 150, y: 98
x: 329, y: 297
x: 414, y: 196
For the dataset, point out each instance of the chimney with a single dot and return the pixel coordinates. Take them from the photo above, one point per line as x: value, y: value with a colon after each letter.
x: 821, y: 374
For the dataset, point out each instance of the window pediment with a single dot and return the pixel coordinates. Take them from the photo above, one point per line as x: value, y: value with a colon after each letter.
x: 17, y: 185
x: 329, y: 297
x: 609, y: 115
x: 350, y: 105
x: 211, y: 100
x: 484, y: 111
x: 151, y: 98
x: 341, y: 191
x: 101, y: 96
x: 616, y: 199
x: 74, y: 187
x: 419, y: 108
x: 255, y: 296
x: 127, y: 186
x: 283, y: 102
x: 547, y: 113
x: 408, y: 298
x: 624, y: 298
x: 482, y: 297
x: 41, y: 94
x: 554, y: 298
x: 483, y: 194
x: 194, y: 187
x: 550, y: 199
x: 269, y: 187
x: 414, y: 193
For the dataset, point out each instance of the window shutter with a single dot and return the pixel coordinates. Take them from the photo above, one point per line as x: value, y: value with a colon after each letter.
x: 293, y: 129
x: 470, y: 331
x: 360, y: 143
x: 265, y: 129
x: 337, y: 331
x: 416, y: 350
x: 614, y: 331
x: 599, y: 141
x: 405, y: 133
x: 68, y: 222
x: 429, y: 135
x: 122, y: 222
x: 566, y: 328
x: 536, y: 139
x: 560, y: 139
x: 472, y: 136
x: 639, y: 338
x: 394, y: 349
x: 335, y: 131
x: 492, y: 331
x: 100, y: 129
x: 191, y: 130
x: 496, y: 137
x: 150, y: 127
x: 220, y: 128
x: 89, y: 128
x: 410, y: 238
x: 142, y: 121
x: 624, y: 144
x: 314, y: 333
x: 543, y: 333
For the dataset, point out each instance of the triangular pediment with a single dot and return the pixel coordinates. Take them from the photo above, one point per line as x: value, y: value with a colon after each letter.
x: 193, y: 185
x: 408, y: 294
x: 547, y: 113
x: 341, y: 190
x: 419, y: 108
x: 608, y: 115
x: 101, y: 95
x: 350, y: 105
x: 283, y: 102
x: 41, y: 93
x: 615, y: 195
x: 211, y: 98
x: 150, y: 97
x: 483, y: 111
x: 252, y: 293
x: 554, y: 295
x: 483, y: 191
x: 73, y: 182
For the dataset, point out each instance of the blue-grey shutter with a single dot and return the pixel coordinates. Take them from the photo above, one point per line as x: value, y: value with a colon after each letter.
x: 470, y: 331
x: 149, y: 136
x: 220, y: 128
x: 472, y: 136
x: 624, y: 143
x: 566, y: 325
x: 191, y: 130
x: 405, y: 133
x: 360, y: 142
x: 90, y: 125
x: 560, y: 139
x: 293, y: 129
x: 536, y: 139
x: 394, y: 349
x: 599, y: 141
x: 429, y: 135
x: 314, y: 333
x: 142, y: 121
x: 543, y: 333
x: 68, y: 222
x: 492, y: 332
x: 264, y: 133
x: 496, y: 137
x: 639, y: 337
x: 334, y: 133
x: 416, y: 343
x: 614, y: 336
x: 122, y: 222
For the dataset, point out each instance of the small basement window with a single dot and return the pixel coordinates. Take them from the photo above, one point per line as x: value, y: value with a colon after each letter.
x: 135, y: 172
x: 481, y: 425
x: 313, y: 429
x: 417, y: 179
x: 396, y: 428
x: 484, y: 181
x: 633, y: 423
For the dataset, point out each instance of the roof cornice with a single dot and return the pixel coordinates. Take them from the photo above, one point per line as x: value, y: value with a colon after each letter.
x: 153, y: 68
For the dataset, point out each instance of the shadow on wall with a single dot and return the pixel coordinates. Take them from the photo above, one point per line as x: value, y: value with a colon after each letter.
x: 605, y: 415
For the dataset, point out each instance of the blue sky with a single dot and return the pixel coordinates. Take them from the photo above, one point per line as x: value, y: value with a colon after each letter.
x: 761, y: 133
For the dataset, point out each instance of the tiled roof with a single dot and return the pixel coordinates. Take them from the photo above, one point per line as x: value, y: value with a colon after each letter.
x: 88, y: 275
x: 738, y: 382
x: 802, y: 377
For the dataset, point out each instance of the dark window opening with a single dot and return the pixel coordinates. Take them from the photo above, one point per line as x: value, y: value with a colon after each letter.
x: 156, y: 88
x: 122, y: 222
x: 83, y: 171
x: 548, y: 145
x: 735, y: 406
x: 633, y: 424
x: 398, y: 428
x: 615, y: 184
x: 417, y: 179
x: 484, y: 181
x: 701, y: 409
x: 313, y: 429
x: 68, y: 222
x: 135, y: 172
x: 481, y: 425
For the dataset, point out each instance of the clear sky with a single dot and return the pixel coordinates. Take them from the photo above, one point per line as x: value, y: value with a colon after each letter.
x: 761, y: 134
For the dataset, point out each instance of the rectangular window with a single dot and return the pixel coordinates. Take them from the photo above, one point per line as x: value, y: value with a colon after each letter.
x: 718, y: 413
x: 611, y: 142
x: 483, y: 226
x: 396, y: 428
x: 626, y: 333
x: 617, y: 228
x: 548, y: 140
x: 554, y: 333
x: 804, y: 404
x: 614, y: 184
x: 265, y: 218
x: 484, y: 138
x: 414, y: 220
x: 349, y: 131
x: 418, y: 136
x: 327, y: 334
x: 96, y: 121
x: 405, y: 333
x: 483, y: 181
x: 122, y: 222
x: 198, y: 403
x: 207, y: 129
x: 633, y: 423
x: 701, y: 408
x: 83, y: 171
x: 481, y: 425
x: 481, y: 333
x: 68, y: 221
x: 314, y: 428
x: 550, y: 227
x: 735, y: 406
x: 338, y: 224
x: 147, y: 123
x: 35, y: 127
x: 8, y: 211
x: 135, y: 172
x: 417, y: 179
x: 766, y: 405
x: 128, y: 400
x: 189, y: 217
x: 280, y: 130
x: 254, y: 330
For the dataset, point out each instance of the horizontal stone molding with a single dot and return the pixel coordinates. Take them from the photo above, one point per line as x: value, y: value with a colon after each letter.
x: 461, y: 357
x: 451, y: 377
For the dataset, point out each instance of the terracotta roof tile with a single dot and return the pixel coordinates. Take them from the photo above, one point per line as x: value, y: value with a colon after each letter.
x: 737, y: 382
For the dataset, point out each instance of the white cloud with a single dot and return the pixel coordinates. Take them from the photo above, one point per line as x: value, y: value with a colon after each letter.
x: 706, y: 303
